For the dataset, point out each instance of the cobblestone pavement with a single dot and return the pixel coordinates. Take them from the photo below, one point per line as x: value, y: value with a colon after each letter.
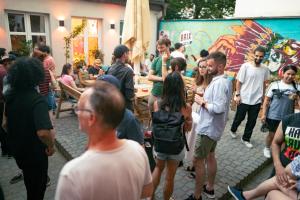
x: 256, y: 180
x: 236, y: 163
x: 17, y: 191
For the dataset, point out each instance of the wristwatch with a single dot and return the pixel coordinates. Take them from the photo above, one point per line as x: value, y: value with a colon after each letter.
x: 237, y: 94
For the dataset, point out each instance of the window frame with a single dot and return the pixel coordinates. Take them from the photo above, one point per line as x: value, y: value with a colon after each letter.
x: 85, y: 36
x: 28, y: 33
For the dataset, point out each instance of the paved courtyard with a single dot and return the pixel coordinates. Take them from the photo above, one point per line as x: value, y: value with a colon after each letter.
x: 17, y: 191
x: 237, y: 164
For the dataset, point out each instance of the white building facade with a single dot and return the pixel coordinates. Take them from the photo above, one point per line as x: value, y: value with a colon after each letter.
x: 49, y: 21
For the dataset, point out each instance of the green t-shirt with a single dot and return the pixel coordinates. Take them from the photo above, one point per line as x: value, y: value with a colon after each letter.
x: 156, y: 67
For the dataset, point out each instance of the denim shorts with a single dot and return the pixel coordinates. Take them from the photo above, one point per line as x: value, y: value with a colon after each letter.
x: 162, y: 156
x: 50, y: 100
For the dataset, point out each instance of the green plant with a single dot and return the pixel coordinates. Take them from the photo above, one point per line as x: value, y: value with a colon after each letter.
x: 25, y: 48
x: 77, y: 30
x: 98, y: 54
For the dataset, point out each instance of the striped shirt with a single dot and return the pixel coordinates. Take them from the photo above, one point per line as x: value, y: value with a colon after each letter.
x: 44, y: 86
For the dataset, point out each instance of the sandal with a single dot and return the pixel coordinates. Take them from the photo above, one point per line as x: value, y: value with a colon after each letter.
x: 190, y: 169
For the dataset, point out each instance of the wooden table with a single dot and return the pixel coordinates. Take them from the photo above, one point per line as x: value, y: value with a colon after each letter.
x: 88, y: 83
x: 142, y: 90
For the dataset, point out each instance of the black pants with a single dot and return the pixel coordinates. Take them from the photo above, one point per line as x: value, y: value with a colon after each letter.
x: 284, y: 161
x: 3, y: 134
x: 252, y: 112
x: 35, y: 175
x: 1, y: 193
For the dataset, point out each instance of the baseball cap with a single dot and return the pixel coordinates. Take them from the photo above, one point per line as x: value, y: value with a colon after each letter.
x: 9, y: 57
x: 120, y: 50
x: 110, y: 79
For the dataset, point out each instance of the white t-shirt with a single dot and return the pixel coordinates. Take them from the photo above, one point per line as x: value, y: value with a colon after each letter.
x: 148, y: 64
x: 176, y: 54
x: 107, y: 175
x: 252, y: 82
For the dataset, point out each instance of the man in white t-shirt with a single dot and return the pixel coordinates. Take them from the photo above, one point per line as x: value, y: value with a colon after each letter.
x: 179, y: 50
x: 110, y: 169
x: 250, y: 87
x: 148, y: 63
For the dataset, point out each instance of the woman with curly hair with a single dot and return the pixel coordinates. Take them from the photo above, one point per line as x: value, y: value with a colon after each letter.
x: 29, y: 125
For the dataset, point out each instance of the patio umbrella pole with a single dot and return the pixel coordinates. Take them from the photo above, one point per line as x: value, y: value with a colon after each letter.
x: 136, y: 68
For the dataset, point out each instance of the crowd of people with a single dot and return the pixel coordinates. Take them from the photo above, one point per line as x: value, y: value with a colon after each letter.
x: 181, y: 132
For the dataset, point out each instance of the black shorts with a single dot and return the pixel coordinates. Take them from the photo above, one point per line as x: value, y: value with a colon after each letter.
x: 272, y: 124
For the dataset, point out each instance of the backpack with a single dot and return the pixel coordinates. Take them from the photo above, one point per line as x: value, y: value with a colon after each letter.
x: 167, y: 130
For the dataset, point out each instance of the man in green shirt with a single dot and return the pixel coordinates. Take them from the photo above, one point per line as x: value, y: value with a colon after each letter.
x: 155, y: 73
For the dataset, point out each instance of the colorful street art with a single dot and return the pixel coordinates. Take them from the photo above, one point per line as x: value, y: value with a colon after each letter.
x: 238, y: 38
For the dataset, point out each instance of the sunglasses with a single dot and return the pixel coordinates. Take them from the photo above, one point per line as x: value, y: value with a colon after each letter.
x: 202, y: 67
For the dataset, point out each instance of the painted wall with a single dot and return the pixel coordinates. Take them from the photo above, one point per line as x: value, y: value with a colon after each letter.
x: 238, y: 38
x: 65, y: 9
x: 267, y: 8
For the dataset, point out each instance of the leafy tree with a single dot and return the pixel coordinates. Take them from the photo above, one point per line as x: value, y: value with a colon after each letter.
x: 199, y: 9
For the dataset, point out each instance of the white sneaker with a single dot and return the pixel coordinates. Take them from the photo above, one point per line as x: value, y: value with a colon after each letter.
x: 248, y: 144
x: 267, y: 152
x: 233, y: 134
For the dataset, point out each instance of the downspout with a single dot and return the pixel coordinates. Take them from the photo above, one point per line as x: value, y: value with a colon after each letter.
x: 164, y: 12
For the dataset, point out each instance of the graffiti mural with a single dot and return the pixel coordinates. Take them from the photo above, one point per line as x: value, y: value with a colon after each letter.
x: 238, y: 39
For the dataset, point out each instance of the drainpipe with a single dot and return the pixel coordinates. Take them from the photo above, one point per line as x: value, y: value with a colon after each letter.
x: 164, y: 12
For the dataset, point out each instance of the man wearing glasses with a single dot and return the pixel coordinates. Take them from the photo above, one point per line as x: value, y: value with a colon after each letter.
x: 110, y: 168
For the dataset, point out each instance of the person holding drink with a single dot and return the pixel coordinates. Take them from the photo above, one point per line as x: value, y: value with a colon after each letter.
x: 155, y: 73
x: 201, y: 82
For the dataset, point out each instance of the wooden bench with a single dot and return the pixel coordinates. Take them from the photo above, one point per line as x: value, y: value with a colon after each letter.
x: 65, y: 93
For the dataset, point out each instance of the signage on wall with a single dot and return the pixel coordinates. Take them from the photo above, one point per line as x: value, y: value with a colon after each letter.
x: 186, y: 37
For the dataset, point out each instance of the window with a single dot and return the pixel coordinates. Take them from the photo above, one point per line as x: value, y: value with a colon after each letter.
x: 27, y: 27
x: 86, y: 43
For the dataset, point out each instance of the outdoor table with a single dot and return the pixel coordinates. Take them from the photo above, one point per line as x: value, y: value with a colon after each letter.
x: 141, y: 90
x: 88, y: 83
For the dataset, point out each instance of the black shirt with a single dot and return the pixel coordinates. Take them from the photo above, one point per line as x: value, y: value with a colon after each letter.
x: 125, y: 76
x: 93, y: 70
x: 130, y: 128
x: 291, y: 131
x: 27, y: 112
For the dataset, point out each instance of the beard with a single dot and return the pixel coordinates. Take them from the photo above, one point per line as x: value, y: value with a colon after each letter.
x: 212, y: 72
x: 258, y: 61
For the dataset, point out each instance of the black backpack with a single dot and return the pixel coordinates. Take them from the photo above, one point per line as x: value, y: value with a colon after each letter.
x: 167, y: 130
